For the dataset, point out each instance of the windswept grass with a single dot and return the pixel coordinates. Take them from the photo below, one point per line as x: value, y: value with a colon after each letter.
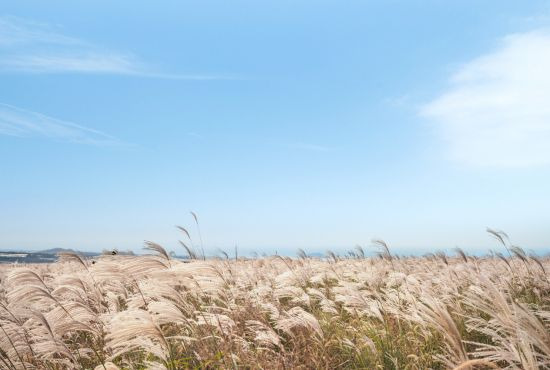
x: 154, y: 312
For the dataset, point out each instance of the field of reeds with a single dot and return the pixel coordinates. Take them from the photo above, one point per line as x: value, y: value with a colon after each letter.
x: 385, y: 312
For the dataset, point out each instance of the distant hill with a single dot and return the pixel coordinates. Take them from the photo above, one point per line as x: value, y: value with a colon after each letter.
x: 61, y: 250
x: 316, y: 254
x: 45, y: 256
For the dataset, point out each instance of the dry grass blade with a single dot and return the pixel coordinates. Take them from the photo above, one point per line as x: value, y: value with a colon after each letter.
x: 472, y: 363
x: 157, y: 248
x: 184, y: 230
x: 190, y: 252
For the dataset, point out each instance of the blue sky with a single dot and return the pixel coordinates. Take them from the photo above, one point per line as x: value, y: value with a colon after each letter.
x: 284, y: 124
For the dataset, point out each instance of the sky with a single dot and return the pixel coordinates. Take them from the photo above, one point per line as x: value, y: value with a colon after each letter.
x: 282, y: 124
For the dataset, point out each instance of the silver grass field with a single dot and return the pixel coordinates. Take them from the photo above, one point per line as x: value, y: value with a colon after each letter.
x: 385, y: 312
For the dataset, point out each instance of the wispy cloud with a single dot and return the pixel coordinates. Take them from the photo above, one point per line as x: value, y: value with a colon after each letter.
x: 32, y: 47
x: 15, y: 121
x: 15, y: 31
x: 84, y: 63
x: 399, y: 101
x: 496, y: 111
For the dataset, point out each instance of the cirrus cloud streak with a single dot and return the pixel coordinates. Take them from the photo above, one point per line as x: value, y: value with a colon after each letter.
x: 32, y: 47
x: 15, y: 121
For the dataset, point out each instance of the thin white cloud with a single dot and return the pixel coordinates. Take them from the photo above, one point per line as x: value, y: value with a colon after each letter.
x: 84, y: 63
x: 20, y: 122
x: 16, y: 31
x: 496, y: 111
x: 32, y: 47
x: 399, y: 101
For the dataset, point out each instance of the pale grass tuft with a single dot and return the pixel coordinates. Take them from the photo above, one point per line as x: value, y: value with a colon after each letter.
x: 347, y: 311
